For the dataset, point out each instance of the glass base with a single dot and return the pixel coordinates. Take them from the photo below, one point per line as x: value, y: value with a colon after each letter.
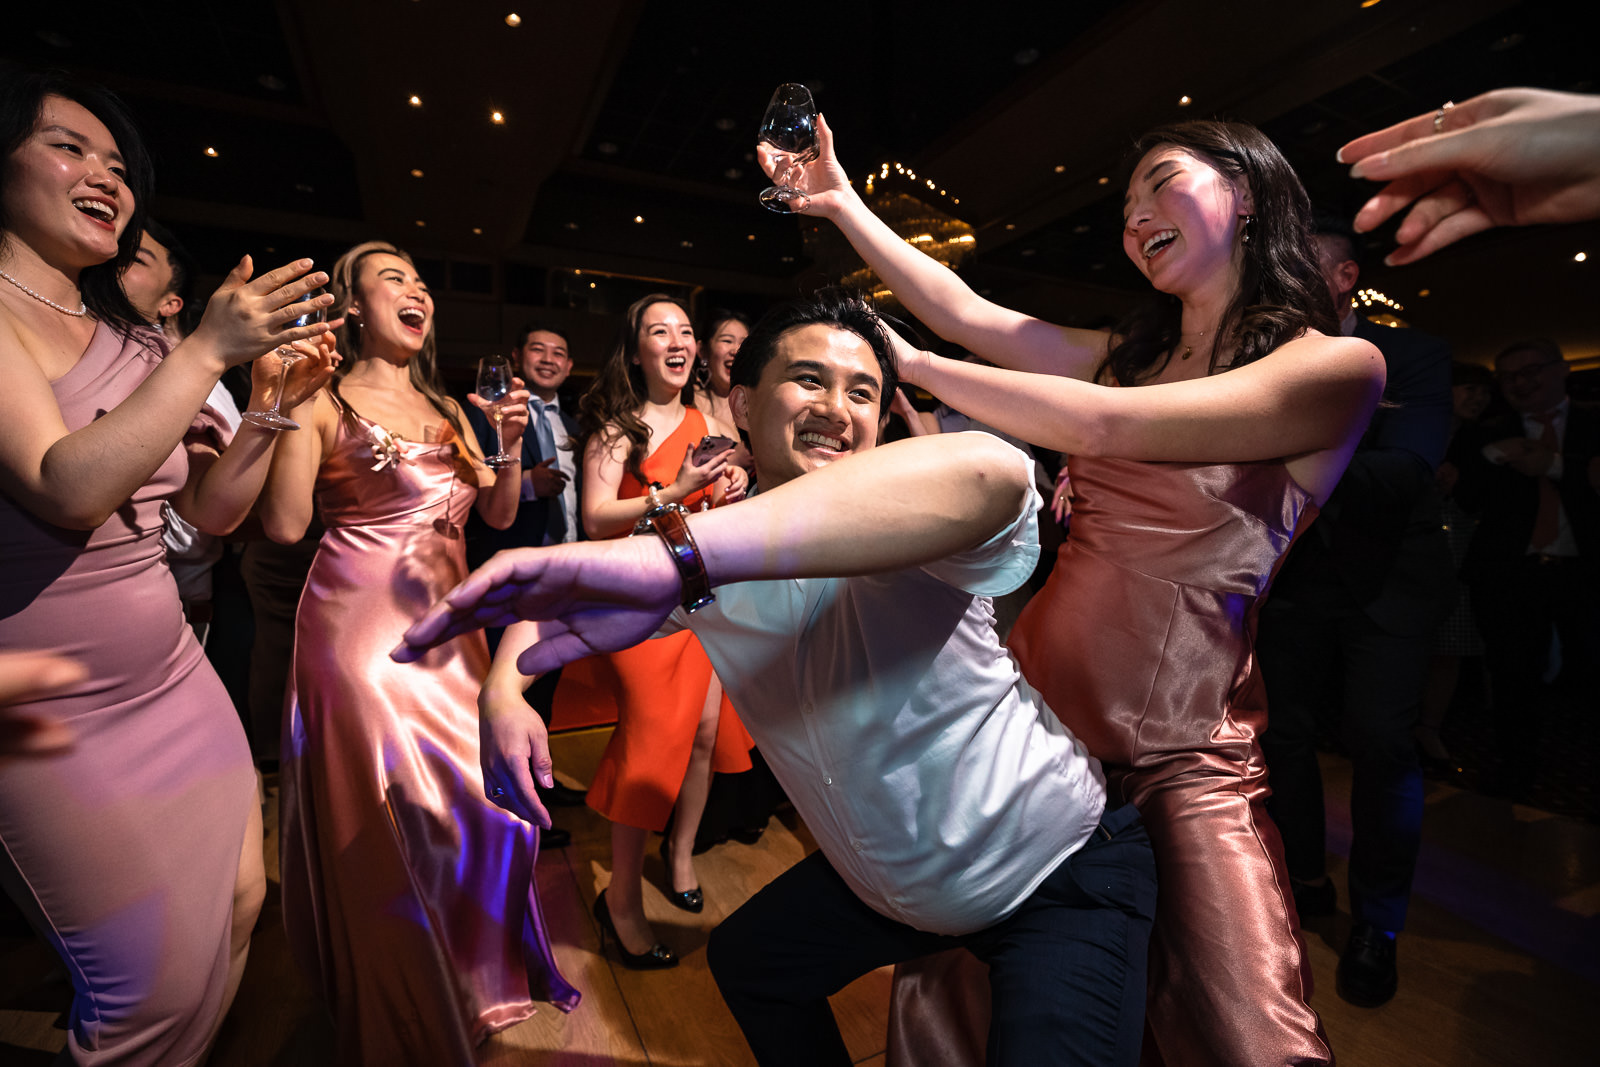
x: 499, y: 461
x: 269, y: 420
x: 783, y: 199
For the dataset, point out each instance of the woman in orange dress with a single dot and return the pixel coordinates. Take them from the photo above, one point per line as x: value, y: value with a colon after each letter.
x: 640, y: 433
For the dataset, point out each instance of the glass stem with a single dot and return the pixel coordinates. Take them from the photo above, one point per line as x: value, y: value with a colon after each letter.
x: 283, y: 380
x: 499, y: 442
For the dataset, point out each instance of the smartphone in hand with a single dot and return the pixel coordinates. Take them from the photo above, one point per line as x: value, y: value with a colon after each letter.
x: 711, y: 446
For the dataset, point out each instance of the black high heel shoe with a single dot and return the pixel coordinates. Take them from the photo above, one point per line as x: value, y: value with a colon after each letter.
x: 658, y: 958
x: 690, y: 899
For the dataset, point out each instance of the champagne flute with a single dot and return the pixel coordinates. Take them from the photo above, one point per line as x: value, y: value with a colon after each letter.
x: 790, y: 127
x: 494, y: 382
x: 273, y: 418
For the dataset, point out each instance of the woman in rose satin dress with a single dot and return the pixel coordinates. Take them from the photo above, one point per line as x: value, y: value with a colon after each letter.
x: 1203, y: 433
x: 673, y: 726
x: 135, y: 849
x: 406, y: 893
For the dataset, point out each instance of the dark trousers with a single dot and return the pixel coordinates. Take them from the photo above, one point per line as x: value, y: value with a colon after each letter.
x: 1067, y: 969
x: 1521, y: 605
x: 1338, y: 665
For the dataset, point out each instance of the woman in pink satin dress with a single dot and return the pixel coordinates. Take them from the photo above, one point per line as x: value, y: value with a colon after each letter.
x: 1203, y: 433
x: 135, y: 849
x: 407, y: 894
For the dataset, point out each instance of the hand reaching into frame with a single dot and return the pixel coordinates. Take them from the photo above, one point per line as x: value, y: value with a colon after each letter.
x: 1511, y: 157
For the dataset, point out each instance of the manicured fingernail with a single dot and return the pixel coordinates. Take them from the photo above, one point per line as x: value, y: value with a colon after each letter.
x: 305, y: 264
x: 1338, y: 157
x: 1389, y: 260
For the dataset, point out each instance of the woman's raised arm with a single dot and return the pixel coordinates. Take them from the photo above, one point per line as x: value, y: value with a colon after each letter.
x: 931, y: 291
x: 78, y: 478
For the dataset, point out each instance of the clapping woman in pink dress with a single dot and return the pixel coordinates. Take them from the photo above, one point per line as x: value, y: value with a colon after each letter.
x: 136, y: 852
x: 406, y: 892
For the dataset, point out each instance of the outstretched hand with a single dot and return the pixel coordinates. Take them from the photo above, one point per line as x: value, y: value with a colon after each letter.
x: 1511, y: 157
x: 824, y: 182
x: 246, y: 317
x: 597, y: 596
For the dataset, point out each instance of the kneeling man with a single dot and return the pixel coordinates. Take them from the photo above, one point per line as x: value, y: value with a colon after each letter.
x: 951, y: 806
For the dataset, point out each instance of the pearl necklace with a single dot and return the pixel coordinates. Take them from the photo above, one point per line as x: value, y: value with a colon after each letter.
x: 82, y: 308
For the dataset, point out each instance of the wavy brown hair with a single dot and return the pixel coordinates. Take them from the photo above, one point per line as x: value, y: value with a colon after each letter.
x: 610, y: 407
x: 1281, y: 293
x: 424, y: 369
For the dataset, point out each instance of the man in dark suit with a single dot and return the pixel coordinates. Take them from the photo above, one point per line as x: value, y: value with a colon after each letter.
x: 548, y: 513
x: 1532, y: 477
x: 1345, y: 635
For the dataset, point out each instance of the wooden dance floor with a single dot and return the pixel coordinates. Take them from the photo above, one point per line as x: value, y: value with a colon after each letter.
x: 1500, y: 965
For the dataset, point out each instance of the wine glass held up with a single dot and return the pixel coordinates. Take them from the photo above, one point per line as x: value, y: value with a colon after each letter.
x: 494, y: 382
x: 789, y: 127
x: 308, y: 312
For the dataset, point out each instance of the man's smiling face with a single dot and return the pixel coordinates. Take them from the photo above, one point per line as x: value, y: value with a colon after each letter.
x: 819, y: 399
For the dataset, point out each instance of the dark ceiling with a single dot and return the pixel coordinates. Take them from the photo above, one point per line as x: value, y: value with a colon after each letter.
x: 623, y: 109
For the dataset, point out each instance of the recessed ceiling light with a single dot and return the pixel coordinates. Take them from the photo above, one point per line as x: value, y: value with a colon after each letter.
x: 1011, y: 225
x: 638, y: 218
x: 513, y: 19
x: 725, y: 124
x: 749, y: 237
x: 786, y: 259
x: 1424, y: 292
x: 1580, y: 257
x: 415, y: 173
x: 569, y: 225
x: 421, y: 223
x: 685, y: 244
x: 1061, y: 168
x: 414, y: 100
x: 1102, y: 181
x: 477, y: 229
x: 212, y: 152
x: 733, y: 174
x: 497, y: 118
x: 591, y: 285
x: 1184, y: 101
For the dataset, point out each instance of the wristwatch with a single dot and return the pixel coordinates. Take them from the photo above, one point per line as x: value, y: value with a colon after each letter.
x: 670, y: 522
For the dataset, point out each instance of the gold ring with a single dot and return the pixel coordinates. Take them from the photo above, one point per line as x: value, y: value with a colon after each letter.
x: 1438, y: 118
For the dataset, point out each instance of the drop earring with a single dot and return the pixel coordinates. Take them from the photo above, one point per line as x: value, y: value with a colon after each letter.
x: 1249, y: 225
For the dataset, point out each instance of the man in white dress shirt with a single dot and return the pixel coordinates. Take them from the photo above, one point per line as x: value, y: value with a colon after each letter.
x: 950, y: 804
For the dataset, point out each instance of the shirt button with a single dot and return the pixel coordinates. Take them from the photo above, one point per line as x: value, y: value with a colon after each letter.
x: 856, y: 845
x: 826, y: 780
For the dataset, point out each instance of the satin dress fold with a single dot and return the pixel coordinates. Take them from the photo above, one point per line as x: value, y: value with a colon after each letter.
x: 123, y: 851
x: 406, y: 893
x: 1143, y: 642
x: 655, y: 690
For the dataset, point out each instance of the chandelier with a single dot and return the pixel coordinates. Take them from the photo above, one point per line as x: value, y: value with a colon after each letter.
x: 905, y: 203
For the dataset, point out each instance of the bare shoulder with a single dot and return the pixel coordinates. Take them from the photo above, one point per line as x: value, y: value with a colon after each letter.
x: 1330, y: 359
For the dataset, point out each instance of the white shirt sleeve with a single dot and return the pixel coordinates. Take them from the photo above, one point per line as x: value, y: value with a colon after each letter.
x: 1004, y: 561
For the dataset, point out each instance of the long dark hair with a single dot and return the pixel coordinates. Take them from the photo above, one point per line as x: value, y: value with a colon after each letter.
x: 610, y: 406
x: 424, y: 369
x: 22, y: 95
x: 1281, y: 292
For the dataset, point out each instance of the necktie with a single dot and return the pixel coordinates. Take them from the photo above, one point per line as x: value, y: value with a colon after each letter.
x: 556, y: 526
x: 1547, y: 520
